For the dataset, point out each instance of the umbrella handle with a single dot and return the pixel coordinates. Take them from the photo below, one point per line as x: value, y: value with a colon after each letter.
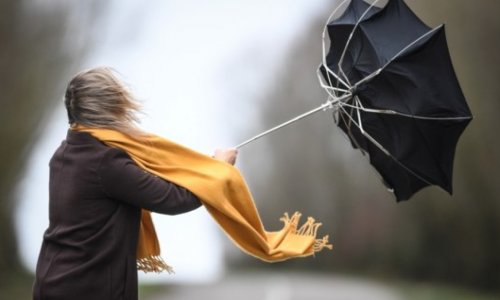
x: 328, y: 104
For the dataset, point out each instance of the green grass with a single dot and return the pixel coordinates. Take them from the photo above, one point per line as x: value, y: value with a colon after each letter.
x: 146, y: 291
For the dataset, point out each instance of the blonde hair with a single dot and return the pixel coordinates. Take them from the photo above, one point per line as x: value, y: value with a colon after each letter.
x: 97, y: 98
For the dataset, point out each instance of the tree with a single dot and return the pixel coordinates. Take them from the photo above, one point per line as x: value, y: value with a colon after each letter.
x: 42, y: 44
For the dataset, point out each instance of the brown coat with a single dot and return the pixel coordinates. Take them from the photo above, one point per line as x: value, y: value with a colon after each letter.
x: 96, y: 194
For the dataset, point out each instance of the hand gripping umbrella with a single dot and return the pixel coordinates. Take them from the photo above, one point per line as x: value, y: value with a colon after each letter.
x: 391, y: 84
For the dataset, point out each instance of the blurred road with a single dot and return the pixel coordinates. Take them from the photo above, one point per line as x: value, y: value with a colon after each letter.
x: 283, y: 286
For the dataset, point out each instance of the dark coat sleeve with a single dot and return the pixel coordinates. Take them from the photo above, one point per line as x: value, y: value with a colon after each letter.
x: 123, y: 180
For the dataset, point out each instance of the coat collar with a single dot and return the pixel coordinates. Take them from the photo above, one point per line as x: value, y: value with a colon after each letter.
x: 74, y: 137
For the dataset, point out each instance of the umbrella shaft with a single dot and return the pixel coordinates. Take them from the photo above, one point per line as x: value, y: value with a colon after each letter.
x: 323, y: 106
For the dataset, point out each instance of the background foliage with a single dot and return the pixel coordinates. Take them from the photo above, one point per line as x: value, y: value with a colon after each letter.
x: 40, y: 47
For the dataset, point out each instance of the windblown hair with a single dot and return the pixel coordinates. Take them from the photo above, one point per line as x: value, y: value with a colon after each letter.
x: 97, y: 98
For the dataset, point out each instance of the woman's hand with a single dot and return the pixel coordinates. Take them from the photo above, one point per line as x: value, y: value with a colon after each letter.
x: 226, y: 155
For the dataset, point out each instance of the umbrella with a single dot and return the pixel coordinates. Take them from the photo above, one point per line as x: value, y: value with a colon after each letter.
x: 394, y: 92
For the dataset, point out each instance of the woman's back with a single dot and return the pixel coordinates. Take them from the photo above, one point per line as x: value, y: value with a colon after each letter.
x: 96, y: 196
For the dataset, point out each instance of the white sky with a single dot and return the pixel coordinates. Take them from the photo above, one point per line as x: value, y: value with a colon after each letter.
x: 200, y: 67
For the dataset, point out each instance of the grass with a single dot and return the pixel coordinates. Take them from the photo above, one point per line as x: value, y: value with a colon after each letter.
x: 147, y: 291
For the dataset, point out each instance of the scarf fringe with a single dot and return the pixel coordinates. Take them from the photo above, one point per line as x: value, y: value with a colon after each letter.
x: 319, y: 244
x: 153, y: 264
x: 309, y: 228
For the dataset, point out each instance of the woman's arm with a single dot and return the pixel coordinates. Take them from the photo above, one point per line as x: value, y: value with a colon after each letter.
x: 123, y: 180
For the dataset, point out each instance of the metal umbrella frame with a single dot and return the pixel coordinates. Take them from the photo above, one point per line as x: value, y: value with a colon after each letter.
x: 342, y: 94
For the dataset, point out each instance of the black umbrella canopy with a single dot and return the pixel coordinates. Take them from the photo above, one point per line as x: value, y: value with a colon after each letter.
x: 407, y: 110
x: 339, y: 31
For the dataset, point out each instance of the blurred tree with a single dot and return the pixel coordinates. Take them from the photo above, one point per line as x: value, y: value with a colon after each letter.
x: 465, y: 232
x: 310, y: 167
x: 42, y: 43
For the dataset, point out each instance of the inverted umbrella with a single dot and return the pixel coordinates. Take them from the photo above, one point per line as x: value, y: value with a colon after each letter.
x: 391, y: 83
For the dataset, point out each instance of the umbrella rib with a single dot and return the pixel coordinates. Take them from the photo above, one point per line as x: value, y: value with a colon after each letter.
x: 331, y: 94
x: 378, y: 71
x: 411, y: 44
x: 368, y: 136
x: 382, y: 148
x: 350, y: 134
x: 432, y: 118
x: 341, y: 61
x: 358, y: 106
x: 393, y: 112
x: 426, y: 147
x: 328, y: 87
x: 328, y: 70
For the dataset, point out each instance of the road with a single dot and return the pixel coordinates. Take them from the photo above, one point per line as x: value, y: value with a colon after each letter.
x: 283, y: 286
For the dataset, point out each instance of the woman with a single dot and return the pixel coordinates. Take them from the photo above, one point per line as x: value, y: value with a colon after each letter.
x: 96, y: 194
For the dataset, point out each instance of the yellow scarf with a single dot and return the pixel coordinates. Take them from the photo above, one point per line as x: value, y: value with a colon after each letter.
x: 224, y: 193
